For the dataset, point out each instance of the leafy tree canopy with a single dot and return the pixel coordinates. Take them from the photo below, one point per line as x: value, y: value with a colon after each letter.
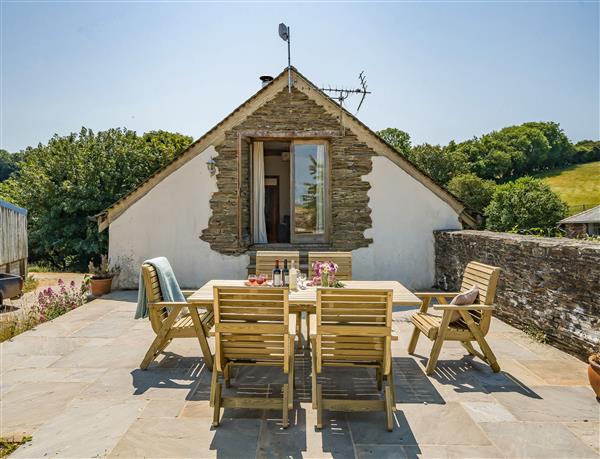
x: 524, y: 204
x: 9, y: 163
x: 74, y: 177
x: 586, y: 151
x: 512, y: 152
x: 440, y: 163
x: 398, y: 139
x: 474, y: 191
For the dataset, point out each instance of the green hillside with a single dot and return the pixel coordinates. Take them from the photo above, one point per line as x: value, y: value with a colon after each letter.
x: 578, y: 185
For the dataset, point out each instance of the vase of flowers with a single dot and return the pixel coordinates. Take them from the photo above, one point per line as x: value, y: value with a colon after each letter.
x: 324, y: 274
x: 102, y: 276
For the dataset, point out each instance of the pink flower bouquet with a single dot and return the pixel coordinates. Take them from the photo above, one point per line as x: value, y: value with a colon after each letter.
x: 324, y: 274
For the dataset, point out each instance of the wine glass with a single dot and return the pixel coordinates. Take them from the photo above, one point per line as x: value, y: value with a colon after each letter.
x: 261, y: 279
x: 252, y: 279
x: 301, y: 280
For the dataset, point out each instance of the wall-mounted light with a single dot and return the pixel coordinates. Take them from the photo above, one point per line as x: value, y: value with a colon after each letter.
x: 212, y: 166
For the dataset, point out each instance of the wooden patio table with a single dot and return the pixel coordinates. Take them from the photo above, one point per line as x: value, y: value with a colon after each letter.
x: 306, y: 300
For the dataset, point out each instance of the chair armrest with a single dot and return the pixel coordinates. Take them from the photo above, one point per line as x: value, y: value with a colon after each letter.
x: 436, y: 294
x: 463, y: 307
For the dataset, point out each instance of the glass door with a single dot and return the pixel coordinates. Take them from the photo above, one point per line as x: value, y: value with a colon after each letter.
x: 309, y: 191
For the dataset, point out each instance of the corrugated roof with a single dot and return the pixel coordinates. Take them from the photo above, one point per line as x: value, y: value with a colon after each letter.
x: 587, y: 216
x: 12, y: 207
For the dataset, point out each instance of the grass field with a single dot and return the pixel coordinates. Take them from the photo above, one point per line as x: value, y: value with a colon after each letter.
x: 578, y: 186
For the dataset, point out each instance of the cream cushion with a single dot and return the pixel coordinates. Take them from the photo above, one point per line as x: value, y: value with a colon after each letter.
x: 467, y: 297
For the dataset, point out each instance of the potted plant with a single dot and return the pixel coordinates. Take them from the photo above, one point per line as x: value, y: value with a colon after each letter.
x: 102, y: 276
x: 594, y: 373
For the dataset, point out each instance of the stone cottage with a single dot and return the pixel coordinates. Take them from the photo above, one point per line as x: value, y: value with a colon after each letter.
x: 287, y: 169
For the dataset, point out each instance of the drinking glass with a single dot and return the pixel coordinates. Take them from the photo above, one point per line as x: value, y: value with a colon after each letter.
x: 252, y: 279
x: 261, y: 279
x: 301, y: 280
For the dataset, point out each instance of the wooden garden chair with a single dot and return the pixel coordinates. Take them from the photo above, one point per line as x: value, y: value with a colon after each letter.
x: 251, y: 328
x: 342, y: 259
x: 265, y: 261
x: 474, y: 321
x: 354, y: 329
x: 169, y: 324
x: 344, y: 262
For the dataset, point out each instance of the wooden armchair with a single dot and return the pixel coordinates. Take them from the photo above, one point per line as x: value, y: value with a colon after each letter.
x: 167, y: 322
x: 342, y: 259
x: 251, y: 328
x: 474, y: 321
x: 354, y: 329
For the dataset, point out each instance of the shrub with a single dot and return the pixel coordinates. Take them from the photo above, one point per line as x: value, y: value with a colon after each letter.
x: 475, y: 192
x: 523, y: 204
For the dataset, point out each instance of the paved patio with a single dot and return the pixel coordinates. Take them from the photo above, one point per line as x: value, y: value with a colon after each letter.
x: 75, y: 386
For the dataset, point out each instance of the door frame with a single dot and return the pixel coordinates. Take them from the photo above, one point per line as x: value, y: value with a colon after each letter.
x: 310, y: 238
x: 306, y: 137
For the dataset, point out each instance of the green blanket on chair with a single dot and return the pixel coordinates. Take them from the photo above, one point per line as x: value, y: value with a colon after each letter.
x: 168, y: 286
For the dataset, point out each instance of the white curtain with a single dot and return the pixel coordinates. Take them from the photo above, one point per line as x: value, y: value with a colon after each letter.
x: 258, y: 191
x: 320, y: 182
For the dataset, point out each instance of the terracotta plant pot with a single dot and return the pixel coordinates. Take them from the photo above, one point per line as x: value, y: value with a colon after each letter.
x: 100, y: 287
x: 594, y: 376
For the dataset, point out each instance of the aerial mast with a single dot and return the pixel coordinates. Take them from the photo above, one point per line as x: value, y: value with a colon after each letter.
x: 284, y: 33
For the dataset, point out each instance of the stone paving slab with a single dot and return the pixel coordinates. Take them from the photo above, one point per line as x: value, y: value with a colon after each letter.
x: 536, y: 440
x: 86, y: 428
x: 75, y: 385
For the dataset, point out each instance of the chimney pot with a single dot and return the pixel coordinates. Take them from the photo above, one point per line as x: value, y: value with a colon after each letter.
x: 265, y: 79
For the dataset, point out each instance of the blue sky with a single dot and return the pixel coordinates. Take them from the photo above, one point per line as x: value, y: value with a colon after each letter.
x: 439, y: 71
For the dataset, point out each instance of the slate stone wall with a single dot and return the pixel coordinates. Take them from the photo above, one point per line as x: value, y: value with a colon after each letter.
x: 350, y: 159
x: 552, y: 284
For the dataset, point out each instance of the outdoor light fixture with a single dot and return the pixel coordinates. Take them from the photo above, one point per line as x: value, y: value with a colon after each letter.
x: 284, y: 33
x: 212, y: 166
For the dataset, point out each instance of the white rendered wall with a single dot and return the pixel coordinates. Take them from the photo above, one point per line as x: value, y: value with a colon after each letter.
x: 405, y: 213
x: 168, y: 222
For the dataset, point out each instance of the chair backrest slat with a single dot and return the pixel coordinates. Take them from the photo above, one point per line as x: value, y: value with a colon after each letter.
x: 353, y: 325
x: 153, y: 294
x: 485, y: 277
x: 251, y: 323
x: 342, y: 259
x: 265, y: 260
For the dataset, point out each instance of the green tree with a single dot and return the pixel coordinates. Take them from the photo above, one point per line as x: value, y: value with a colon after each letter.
x: 474, y: 191
x: 9, y: 163
x: 586, y: 151
x: 440, y: 163
x: 72, y: 178
x: 524, y: 204
x: 398, y: 139
x: 515, y: 151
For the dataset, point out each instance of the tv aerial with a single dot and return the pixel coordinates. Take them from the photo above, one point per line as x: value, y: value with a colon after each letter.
x: 284, y: 34
x: 341, y: 94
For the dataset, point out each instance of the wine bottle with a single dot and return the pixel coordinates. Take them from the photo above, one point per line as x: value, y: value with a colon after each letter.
x: 285, y: 274
x: 293, y: 277
x: 277, y: 275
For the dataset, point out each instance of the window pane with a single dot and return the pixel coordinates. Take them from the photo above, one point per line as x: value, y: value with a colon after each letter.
x: 309, y: 188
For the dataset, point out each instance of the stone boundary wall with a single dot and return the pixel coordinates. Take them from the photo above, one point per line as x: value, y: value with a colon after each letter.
x: 552, y: 284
